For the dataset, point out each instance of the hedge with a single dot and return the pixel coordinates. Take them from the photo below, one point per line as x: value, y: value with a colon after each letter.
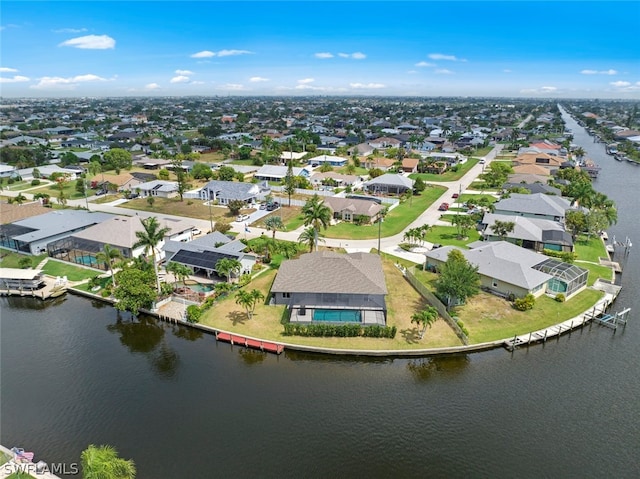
x: 341, y: 330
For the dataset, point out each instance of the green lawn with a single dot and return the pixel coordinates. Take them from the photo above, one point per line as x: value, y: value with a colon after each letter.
x: 488, y: 317
x: 9, y: 259
x: 396, y: 220
x: 590, y: 249
x: 70, y: 192
x: 448, y: 235
x: 447, y: 175
x: 595, y: 271
x: 466, y: 197
x: 359, y: 171
x: 22, y: 185
x: 72, y: 272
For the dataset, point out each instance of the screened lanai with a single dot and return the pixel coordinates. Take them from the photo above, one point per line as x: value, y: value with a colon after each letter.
x: 567, y: 278
x: 81, y: 251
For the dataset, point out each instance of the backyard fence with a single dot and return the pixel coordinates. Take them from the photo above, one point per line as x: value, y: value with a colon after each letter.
x: 434, y: 301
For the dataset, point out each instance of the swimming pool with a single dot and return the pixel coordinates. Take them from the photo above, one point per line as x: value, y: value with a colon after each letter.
x: 200, y: 288
x: 86, y: 260
x: 337, y: 315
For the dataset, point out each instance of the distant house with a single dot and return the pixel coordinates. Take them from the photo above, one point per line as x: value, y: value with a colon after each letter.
x: 410, y: 165
x: 509, y: 270
x: 389, y: 184
x: 384, y: 142
x: 340, y: 179
x: 534, y: 188
x: 123, y: 181
x: 532, y: 170
x: 361, y: 149
x: 534, y: 206
x: 225, y: 191
x: 328, y: 286
x: 158, y: 188
x: 545, y: 160
x: 335, y: 161
x: 279, y: 172
x: 530, y: 233
x: 353, y: 210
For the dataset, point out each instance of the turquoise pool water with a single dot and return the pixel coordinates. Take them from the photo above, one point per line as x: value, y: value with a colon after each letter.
x: 337, y: 315
x: 86, y: 260
x: 200, y: 288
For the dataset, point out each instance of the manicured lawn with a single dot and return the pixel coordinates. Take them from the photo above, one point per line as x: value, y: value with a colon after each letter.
x: 215, y: 157
x: 395, y: 221
x: 466, y: 197
x: 488, y: 317
x: 187, y: 208
x: 359, y: 171
x: 595, y: 271
x: 23, y: 185
x: 590, y: 249
x: 448, y: 235
x: 402, y: 302
x: 447, y: 175
x: 291, y: 217
x: 72, y: 272
x: 106, y: 198
x: 53, y: 191
x: 483, y: 151
x: 9, y: 259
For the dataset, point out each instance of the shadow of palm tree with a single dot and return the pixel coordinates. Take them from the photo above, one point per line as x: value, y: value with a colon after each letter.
x: 411, y: 336
x: 237, y: 317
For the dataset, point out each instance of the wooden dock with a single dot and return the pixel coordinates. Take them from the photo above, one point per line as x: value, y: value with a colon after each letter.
x: 52, y: 289
x: 260, y: 345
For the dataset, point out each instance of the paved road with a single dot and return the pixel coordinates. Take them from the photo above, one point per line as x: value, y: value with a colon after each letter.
x: 389, y: 244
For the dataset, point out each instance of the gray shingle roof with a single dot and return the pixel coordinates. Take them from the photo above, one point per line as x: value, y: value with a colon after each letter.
x: 501, y: 260
x: 329, y: 272
x: 59, y: 222
x: 391, y: 179
x: 357, y: 207
x: 232, y: 189
x: 538, y: 203
x: 532, y: 229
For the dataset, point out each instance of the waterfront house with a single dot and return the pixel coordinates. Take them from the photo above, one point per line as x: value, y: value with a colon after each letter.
x: 511, y: 271
x: 329, y: 286
x: 530, y: 233
x: 536, y: 205
x: 279, y: 172
x: 334, y: 161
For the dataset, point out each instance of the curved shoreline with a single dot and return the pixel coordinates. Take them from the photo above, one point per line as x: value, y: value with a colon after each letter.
x: 551, y: 331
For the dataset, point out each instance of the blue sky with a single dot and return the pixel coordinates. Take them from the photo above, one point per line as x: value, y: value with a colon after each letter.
x: 507, y: 49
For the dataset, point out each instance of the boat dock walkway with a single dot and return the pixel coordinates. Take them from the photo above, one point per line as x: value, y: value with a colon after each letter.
x: 266, y: 346
x: 53, y: 287
x: 596, y: 313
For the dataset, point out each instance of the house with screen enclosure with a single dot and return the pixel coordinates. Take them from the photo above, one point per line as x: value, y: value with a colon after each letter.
x: 332, y: 287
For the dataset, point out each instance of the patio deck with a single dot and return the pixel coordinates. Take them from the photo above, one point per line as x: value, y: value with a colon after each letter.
x: 368, y: 317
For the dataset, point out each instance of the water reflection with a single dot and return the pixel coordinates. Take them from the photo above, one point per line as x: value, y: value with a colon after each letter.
x: 252, y: 356
x: 27, y: 302
x: 184, y: 332
x: 334, y: 358
x: 147, y: 336
x: 424, y: 369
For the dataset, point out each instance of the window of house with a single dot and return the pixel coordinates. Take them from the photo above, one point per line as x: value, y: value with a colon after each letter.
x: 286, y: 295
x: 494, y: 283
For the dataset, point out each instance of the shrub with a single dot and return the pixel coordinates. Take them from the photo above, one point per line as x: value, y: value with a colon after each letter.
x: 194, y: 313
x: 339, y: 330
x: 11, y: 181
x: 462, y: 327
x: 24, y: 262
x: 525, y: 304
x: 560, y: 298
x: 35, y: 182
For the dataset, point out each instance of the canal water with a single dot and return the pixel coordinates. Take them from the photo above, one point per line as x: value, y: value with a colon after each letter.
x: 75, y: 372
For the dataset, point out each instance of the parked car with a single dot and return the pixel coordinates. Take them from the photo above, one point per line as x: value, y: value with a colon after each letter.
x: 263, y: 206
x: 273, y: 206
x: 196, y: 231
x: 455, y: 195
x: 444, y: 207
x: 482, y: 161
x: 241, y: 218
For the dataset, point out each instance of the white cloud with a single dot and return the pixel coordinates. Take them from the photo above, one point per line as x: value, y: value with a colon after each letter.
x: 228, y: 53
x: 444, y: 71
x: 354, y: 56
x: 599, y: 72
x: 258, y: 79
x: 548, y: 89
x: 184, y: 72
x: 90, y: 42
x: 620, y: 84
x: 203, y: 54
x: 70, y: 30
x: 367, y: 85
x: 179, y: 79
x: 323, y: 55
x: 14, y: 79
x: 65, y: 83
x: 440, y: 56
x: 7, y: 70
x: 306, y: 81
x: 539, y: 91
x: 152, y: 86
x: 424, y: 64
x: 197, y: 82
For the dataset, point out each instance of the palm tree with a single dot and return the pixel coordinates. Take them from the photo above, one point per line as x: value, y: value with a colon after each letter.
x: 102, y: 462
x: 426, y: 317
x: 20, y: 199
x: 317, y: 215
x: 245, y: 299
x: 273, y: 224
x: 308, y: 237
x: 227, y: 267
x: 149, y: 239
x: 108, y: 255
x: 256, y: 295
x: 179, y: 270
